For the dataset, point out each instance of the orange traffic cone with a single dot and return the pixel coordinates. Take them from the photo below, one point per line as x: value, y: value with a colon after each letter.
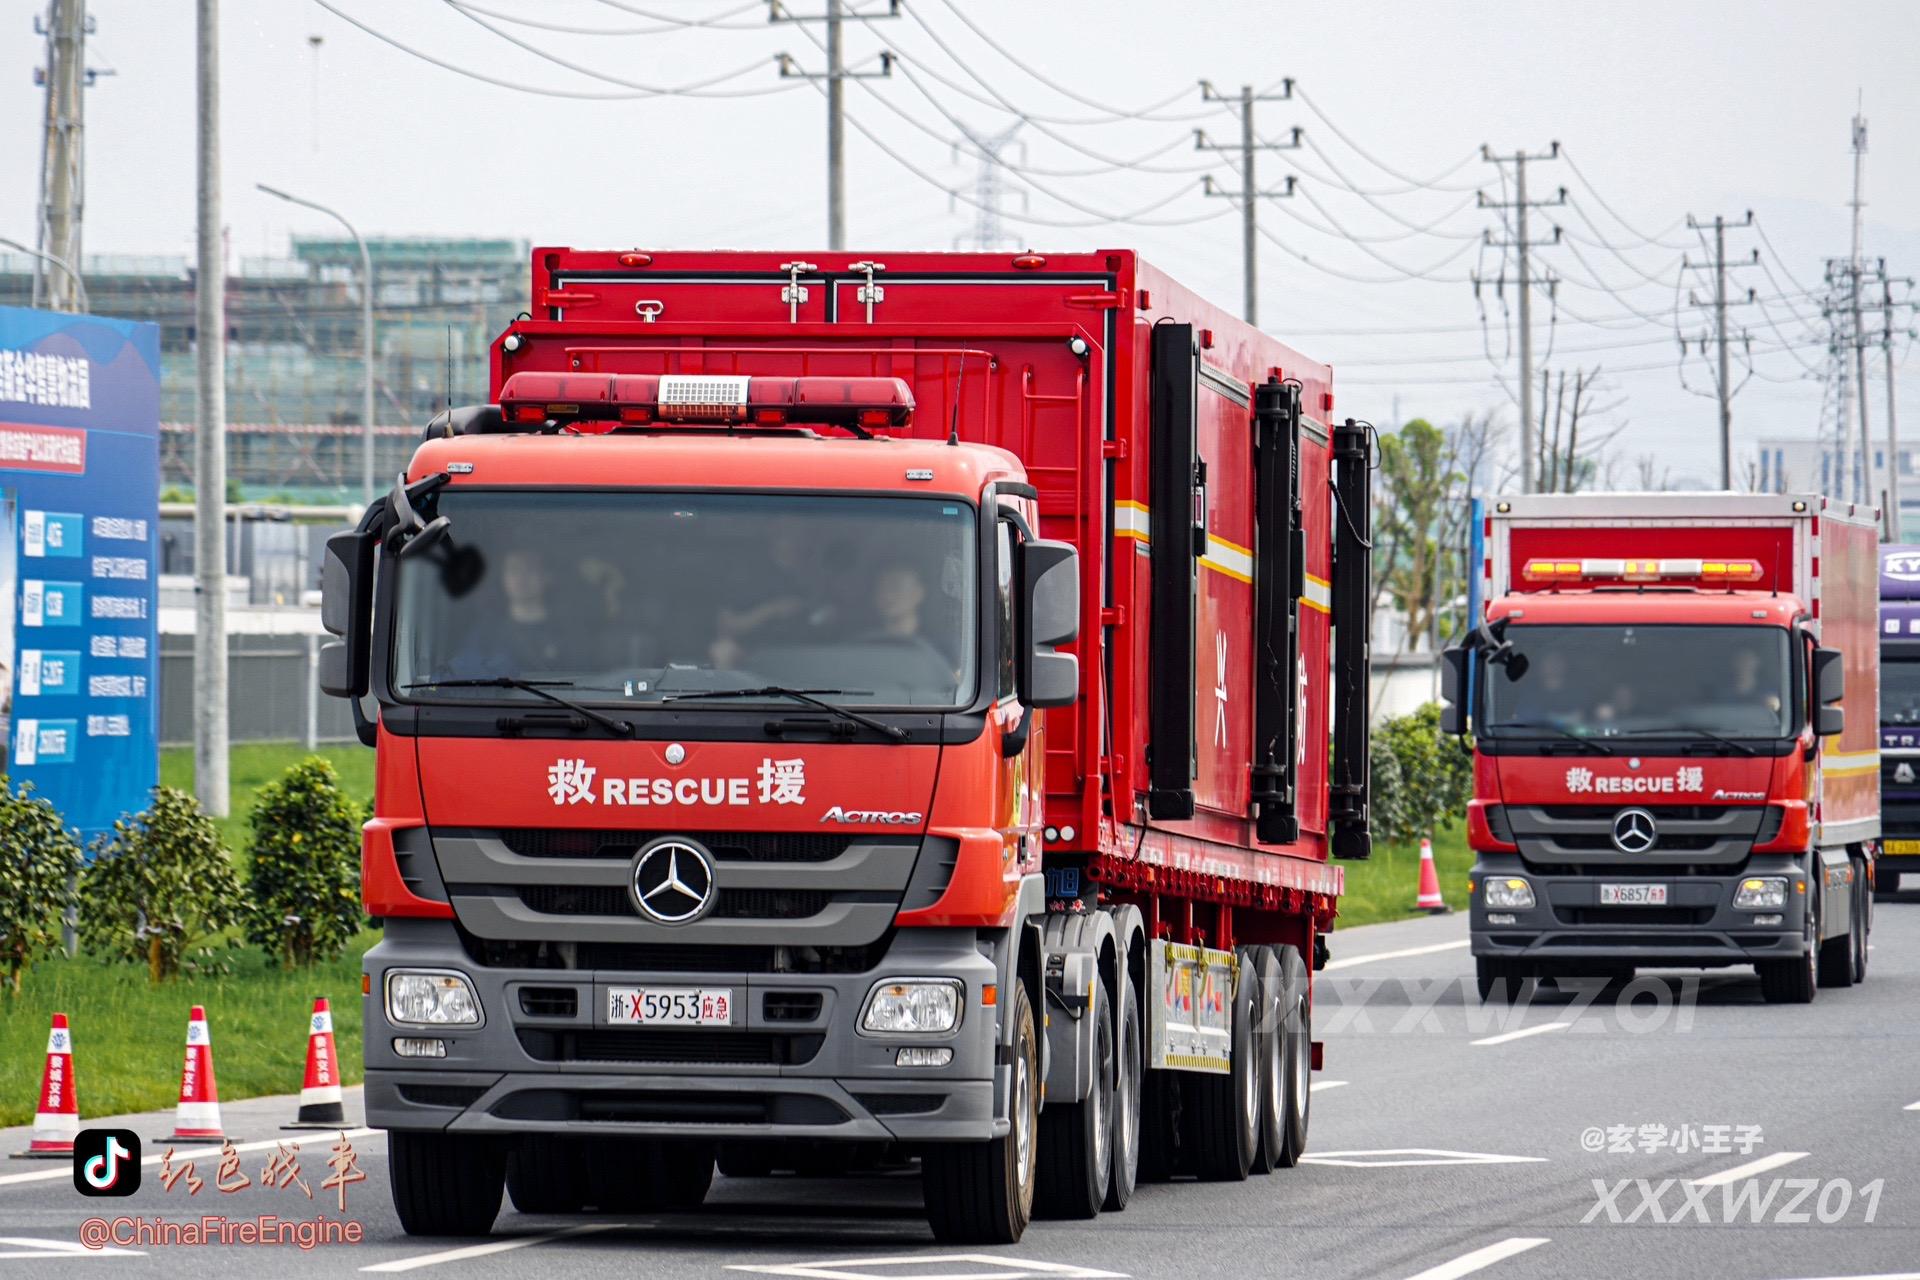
x: 320, y: 1106
x: 1429, y: 899
x: 57, y: 1117
x: 197, y: 1117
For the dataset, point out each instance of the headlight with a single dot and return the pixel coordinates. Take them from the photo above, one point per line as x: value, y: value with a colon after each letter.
x: 431, y: 999
x: 1766, y: 893
x: 1510, y: 894
x: 908, y: 1007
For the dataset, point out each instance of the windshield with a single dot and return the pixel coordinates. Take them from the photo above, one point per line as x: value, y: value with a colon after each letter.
x: 1622, y: 681
x: 1899, y: 690
x: 634, y: 597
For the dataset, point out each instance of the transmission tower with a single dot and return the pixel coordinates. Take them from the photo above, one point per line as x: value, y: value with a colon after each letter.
x: 990, y: 186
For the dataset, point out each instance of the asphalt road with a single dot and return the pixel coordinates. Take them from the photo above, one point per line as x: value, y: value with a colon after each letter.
x: 1447, y: 1140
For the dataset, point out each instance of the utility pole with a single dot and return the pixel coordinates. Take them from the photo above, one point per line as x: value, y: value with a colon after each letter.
x: 210, y: 442
x: 65, y: 77
x: 1723, y: 377
x: 1859, y: 341
x: 1523, y: 243
x: 1249, y: 193
x: 836, y: 75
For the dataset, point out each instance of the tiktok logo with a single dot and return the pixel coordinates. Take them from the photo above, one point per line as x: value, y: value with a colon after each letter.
x: 106, y: 1162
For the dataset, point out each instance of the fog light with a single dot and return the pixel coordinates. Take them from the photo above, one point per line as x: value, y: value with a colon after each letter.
x: 910, y: 1006
x: 916, y: 1055
x: 1770, y: 919
x: 1502, y: 917
x: 1512, y: 893
x: 1761, y: 894
x: 430, y: 999
x: 419, y: 1047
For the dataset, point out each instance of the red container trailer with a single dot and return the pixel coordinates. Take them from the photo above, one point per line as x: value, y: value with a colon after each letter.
x: 1674, y: 705
x: 718, y: 813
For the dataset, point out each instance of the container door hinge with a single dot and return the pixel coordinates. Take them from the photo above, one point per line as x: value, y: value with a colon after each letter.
x: 1113, y: 617
x: 566, y: 297
x: 793, y: 293
x: 869, y: 293
x: 1106, y: 300
x: 1113, y: 449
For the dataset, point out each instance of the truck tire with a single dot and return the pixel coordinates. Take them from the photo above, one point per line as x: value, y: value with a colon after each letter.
x: 1076, y: 1138
x: 1795, y: 980
x: 548, y: 1175
x: 982, y: 1192
x: 445, y: 1184
x: 1862, y: 919
x: 1296, y: 1055
x: 1836, y: 953
x: 1224, y: 1123
x: 1269, y: 1045
x: 1129, y: 1072
x: 1501, y: 981
x: 1162, y: 1122
x: 648, y: 1176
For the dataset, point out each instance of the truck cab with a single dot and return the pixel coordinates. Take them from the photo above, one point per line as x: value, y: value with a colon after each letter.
x: 1662, y: 768
x: 1899, y: 717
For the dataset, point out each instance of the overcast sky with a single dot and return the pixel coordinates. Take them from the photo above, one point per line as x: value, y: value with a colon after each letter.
x: 1666, y: 108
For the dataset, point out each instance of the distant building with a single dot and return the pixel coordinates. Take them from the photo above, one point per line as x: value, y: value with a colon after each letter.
x: 1802, y: 465
x: 294, y: 371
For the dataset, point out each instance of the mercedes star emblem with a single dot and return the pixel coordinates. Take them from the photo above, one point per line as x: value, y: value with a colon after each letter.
x: 673, y: 881
x: 1633, y: 831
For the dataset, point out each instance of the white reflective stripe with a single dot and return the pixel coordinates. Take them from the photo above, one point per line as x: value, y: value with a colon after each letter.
x: 1840, y: 763
x: 323, y: 1093
x: 55, y: 1122
x: 1226, y: 557
x: 197, y: 1115
x: 1132, y: 520
x: 1318, y: 594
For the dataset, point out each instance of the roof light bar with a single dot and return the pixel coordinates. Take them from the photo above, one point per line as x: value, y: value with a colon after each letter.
x: 1641, y: 570
x: 644, y: 398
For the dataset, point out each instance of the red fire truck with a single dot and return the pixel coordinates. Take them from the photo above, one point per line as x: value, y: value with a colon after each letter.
x: 1674, y: 705
x: 717, y: 812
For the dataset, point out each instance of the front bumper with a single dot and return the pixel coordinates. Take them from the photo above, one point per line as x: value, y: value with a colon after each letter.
x: 533, y: 1065
x: 1568, y: 930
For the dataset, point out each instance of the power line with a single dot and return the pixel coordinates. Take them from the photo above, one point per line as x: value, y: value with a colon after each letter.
x: 1435, y: 183
x: 663, y: 26
x: 1644, y: 238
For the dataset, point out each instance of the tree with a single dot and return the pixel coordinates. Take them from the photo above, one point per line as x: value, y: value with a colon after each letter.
x: 159, y: 888
x: 305, y: 878
x: 38, y: 856
x: 1568, y: 461
x: 1416, y: 559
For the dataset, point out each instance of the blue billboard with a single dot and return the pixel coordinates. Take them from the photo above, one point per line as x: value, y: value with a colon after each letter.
x: 79, y: 524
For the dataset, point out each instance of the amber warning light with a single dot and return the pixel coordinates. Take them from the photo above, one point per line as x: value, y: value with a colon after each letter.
x: 1665, y: 570
x: 643, y: 399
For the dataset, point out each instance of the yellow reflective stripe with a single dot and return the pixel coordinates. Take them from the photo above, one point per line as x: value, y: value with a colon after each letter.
x: 1132, y: 520
x: 1839, y: 764
x: 1318, y: 594
x: 1228, y: 558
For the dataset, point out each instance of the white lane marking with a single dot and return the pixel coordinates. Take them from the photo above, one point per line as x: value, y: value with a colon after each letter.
x: 1369, y: 958
x: 1911, y: 1106
x: 492, y: 1246
x: 32, y: 1248
x: 1888, y: 1275
x: 1749, y: 1169
x: 1004, y: 1268
x: 1400, y: 1157
x: 1524, y: 1032
x: 1318, y: 1085
x: 1468, y: 1263
x: 182, y: 1151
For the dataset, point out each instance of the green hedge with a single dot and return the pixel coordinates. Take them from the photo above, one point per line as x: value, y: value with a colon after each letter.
x: 1420, y: 779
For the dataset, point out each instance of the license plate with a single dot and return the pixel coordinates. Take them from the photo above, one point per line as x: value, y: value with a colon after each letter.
x: 1633, y: 895
x: 670, y: 1006
x: 1900, y: 846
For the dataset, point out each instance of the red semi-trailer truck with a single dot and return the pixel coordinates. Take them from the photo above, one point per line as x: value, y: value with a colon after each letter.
x: 1674, y: 706
x: 718, y: 814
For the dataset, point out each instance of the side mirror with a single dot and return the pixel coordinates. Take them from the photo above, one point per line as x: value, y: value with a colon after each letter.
x: 346, y: 610
x: 1453, y: 690
x: 1050, y: 589
x: 1829, y: 686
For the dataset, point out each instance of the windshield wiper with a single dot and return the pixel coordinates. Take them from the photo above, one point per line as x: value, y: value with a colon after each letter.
x: 539, y: 689
x: 1688, y: 731
x: 1568, y: 734
x: 799, y: 695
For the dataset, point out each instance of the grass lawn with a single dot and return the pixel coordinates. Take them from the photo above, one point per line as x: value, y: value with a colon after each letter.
x: 1385, y: 885
x: 128, y: 1035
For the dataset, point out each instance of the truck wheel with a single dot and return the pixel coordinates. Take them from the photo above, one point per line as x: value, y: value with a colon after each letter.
x: 445, y: 1184
x: 1296, y: 1054
x: 1500, y: 981
x: 1862, y: 919
x: 547, y: 1175
x: 1076, y: 1139
x: 1794, y: 981
x: 1127, y: 1075
x: 646, y: 1176
x: 982, y: 1192
x: 1162, y: 1114
x: 1224, y: 1124
x: 1269, y: 1048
